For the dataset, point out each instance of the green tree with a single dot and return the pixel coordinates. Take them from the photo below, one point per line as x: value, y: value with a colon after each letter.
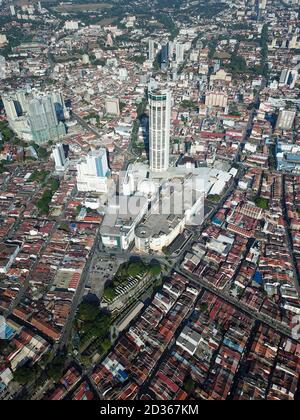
x: 155, y: 269
x: 56, y: 367
x: 25, y: 374
x: 136, y: 268
x: 87, y: 312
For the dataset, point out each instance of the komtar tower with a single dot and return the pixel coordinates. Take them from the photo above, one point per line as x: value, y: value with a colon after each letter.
x: 159, y: 129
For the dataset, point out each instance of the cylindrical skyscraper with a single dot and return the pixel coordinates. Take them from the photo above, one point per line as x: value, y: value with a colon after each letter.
x: 159, y: 127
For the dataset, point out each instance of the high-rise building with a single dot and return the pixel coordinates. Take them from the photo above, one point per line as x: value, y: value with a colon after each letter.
x: 151, y: 51
x: 35, y: 117
x: 159, y: 129
x: 92, y: 172
x: 285, y: 76
x: 171, y: 47
x: 10, y: 108
x: 2, y: 328
x: 286, y: 119
x: 12, y: 10
x: 22, y: 102
x: 59, y: 155
x: 59, y: 105
x: 123, y: 74
x: 164, y: 59
x: 43, y: 120
x: 180, y: 48
x: 2, y: 67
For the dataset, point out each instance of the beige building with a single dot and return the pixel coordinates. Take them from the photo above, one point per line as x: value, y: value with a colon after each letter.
x: 220, y: 76
x: 216, y: 99
x: 3, y: 40
x: 286, y: 119
x: 112, y: 106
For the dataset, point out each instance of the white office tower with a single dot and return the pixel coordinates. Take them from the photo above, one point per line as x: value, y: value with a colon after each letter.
x: 123, y: 74
x: 61, y: 162
x: 151, y: 53
x: 10, y: 108
x: 171, y: 50
x: 180, y: 48
x: 12, y: 10
x: 92, y: 172
x: 284, y: 77
x: 159, y: 127
x: 2, y: 67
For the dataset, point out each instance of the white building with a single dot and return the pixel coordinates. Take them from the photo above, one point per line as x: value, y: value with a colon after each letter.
x: 284, y: 77
x: 180, y: 49
x: 151, y: 53
x: 121, y: 219
x: 3, y: 40
x: 71, y: 25
x: 85, y: 59
x: 92, y: 172
x: 123, y: 74
x: 2, y: 67
x: 178, y: 204
x: 159, y: 128
x: 189, y: 340
x: 286, y: 119
x: 112, y: 106
x: 59, y: 155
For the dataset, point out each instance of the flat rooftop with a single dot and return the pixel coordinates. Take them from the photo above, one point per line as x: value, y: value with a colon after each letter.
x: 170, y: 209
x: 122, y: 216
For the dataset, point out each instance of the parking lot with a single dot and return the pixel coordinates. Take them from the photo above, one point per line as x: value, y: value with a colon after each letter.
x: 102, y: 270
